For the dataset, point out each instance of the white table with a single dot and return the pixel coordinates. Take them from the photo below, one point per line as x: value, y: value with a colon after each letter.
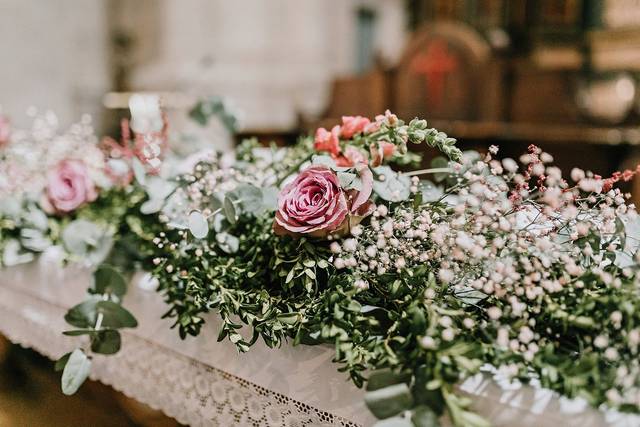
x: 202, y: 382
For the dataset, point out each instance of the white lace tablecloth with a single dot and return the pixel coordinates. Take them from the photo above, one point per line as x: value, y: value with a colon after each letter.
x: 202, y: 382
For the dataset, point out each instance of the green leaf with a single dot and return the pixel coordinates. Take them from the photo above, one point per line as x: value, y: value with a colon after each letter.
x: 390, y: 185
x: 423, y: 416
x: 249, y: 197
x: 227, y: 242
x: 86, y: 239
x: 79, y: 332
x: 440, y: 163
x: 270, y: 198
x: 198, y: 225
x: 152, y: 206
x: 75, y: 372
x: 115, y: 316
x: 389, y: 401
x: 83, y: 315
x: 289, y: 318
x: 215, y: 202
x: 429, y: 192
x: 230, y: 210
x: 384, y: 378
x: 349, y: 181
x: 62, y: 362
x: 106, y: 342
x: 13, y: 254
x: 290, y: 276
x: 107, y: 280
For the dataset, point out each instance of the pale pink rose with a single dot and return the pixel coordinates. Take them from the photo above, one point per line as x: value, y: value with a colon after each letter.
x: 5, y: 130
x: 352, y: 125
x: 328, y: 141
x: 315, y: 205
x: 68, y: 187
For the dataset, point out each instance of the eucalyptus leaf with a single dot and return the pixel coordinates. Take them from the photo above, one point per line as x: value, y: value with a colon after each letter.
x: 423, y: 416
x: 13, y: 254
x: 75, y: 372
x: 230, y: 210
x: 248, y: 197
x: 11, y: 206
x: 430, y: 192
x: 152, y: 206
x: 198, y: 225
x: 87, y: 240
x: 324, y: 160
x: 228, y: 242
x: 440, y: 163
x: 391, y: 186
x: 83, y: 315
x: 37, y: 219
x: 79, y: 332
x: 34, y: 239
x: 107, y: 280
x: 270, y: 198
x: 62, y: 362
x: 115, y: 316
x: 384, y: 378
x: 106, y: 342
x: 389, y: 401
x: 215, y: 202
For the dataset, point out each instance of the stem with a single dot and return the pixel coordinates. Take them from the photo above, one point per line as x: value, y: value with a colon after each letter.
x: 217, y: 211
x: 427, y: 171
x: 99, y: 321
x: 105, y: 297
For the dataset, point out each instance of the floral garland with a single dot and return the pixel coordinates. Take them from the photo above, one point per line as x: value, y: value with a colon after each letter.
x: 86, y: 201
x: 66, y: 190
x: 417, y: 284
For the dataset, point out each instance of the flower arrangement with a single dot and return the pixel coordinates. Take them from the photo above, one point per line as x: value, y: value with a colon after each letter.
x: 86, y: 201
x: 68, y: 193
x: 46, y: 178
x: 418, y: 278
x: 417, y: 283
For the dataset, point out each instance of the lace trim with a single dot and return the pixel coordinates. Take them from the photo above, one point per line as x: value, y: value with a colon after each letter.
x: 189, y: 391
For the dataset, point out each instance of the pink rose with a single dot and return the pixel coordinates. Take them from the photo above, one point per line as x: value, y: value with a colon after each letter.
x: 352, y: 125
x: 328, y: 141
x: 5, y: 130
x: 68, y: 187
x: 314, y: 204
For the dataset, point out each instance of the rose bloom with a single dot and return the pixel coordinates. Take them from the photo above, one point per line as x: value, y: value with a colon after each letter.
x: 68, y: 187
x: 328, y: 141
x: 314, y: 204
x: 352, y: 125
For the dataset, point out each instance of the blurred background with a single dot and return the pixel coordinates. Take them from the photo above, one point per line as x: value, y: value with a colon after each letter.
x: 559, y: 73
x: 563, y: 74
